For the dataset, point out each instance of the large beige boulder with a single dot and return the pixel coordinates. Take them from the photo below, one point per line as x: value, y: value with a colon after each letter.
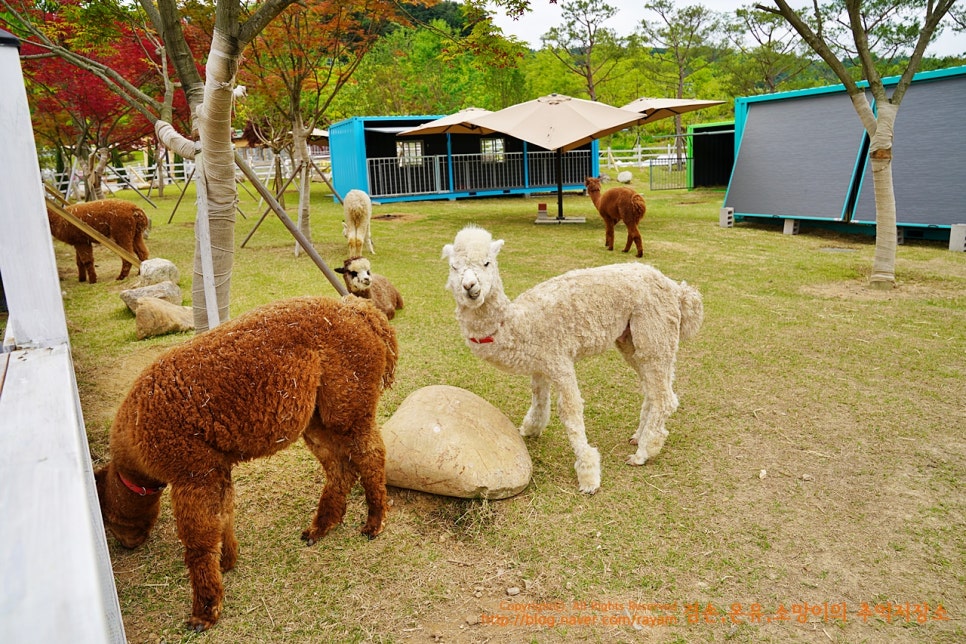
x: 167, y: 290
x: 449, y: 441
x: 155, y: 316
x: 157, y: 270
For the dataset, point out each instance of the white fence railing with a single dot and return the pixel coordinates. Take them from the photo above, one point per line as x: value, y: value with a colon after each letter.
x: 637, y: 157
x: 145, y: 177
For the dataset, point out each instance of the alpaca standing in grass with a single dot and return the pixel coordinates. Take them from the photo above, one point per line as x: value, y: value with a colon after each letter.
x: 616, y: 205
x: 116, y: 219
x: 357, y: 208
x: 545, y: 330
x: 362, y: 282
x: 309, y: 367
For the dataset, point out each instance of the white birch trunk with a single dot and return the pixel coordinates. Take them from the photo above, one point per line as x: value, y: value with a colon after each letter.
x: 303, y: 161
x: 96, y: 166
x: 880, y: 155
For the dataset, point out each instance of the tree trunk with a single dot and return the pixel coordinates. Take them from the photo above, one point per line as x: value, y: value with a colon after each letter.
x: 96, y: 165
x: 214, y: 128
x: 161, y: 156
x: 303, y: 161
x: 277, y: 179
x: 880, y: 155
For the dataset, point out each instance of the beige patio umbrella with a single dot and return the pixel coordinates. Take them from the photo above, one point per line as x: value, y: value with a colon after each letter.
x: 558, y: 123
x: 655, y: 109
x: 457, y: 123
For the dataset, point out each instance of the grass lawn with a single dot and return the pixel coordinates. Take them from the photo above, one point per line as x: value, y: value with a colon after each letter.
x: 816, y: 462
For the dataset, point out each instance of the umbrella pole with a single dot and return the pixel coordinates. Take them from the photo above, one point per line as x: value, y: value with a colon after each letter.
x: 559, y: 164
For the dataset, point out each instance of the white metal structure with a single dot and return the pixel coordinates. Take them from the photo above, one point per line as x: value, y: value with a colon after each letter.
x: 56, y: 581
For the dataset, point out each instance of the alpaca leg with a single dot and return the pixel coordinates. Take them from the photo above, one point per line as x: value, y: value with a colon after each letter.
x: 609, y: 234
x: 630, y: 240
x: 571, y: 410
x: 368, y: 455
x: 81, y: 266
x: 634, y: 237
x: 625, y: 346
x: 140, y: 248
x: 229, y: 543
x: 125, y: 269
x: 199, y: 512
x: 126, y: 241
x: 539, y: 413
x: 658, y: 380
x: 85, y: 262
x: 339, y: 479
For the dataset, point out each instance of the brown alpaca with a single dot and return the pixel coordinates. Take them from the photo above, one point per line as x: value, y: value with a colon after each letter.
x: 310, y: 367
x: 362, y: 282
x: 615, y: 205
x: 116, y: 219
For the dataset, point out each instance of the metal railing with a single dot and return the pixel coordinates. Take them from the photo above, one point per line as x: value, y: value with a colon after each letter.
x: 668, y: 172
x: 473, y: 173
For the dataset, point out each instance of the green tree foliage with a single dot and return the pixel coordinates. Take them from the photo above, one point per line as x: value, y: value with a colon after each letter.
x: 768, y: 56
x: 430, y: 71
x: 584, y: 46
x: 682, y: 41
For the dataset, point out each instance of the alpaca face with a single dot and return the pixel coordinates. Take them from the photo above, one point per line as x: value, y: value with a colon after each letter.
x: 473, y: 270
x: 357, y: 272
x: 127, y: 515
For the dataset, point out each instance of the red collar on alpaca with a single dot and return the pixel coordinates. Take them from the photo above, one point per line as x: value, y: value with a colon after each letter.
x: 488, y: 339
x: 137, y: 489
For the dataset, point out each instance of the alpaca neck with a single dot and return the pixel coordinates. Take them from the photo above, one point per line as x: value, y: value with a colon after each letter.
x: 486, y: 320
x: 595, y: 198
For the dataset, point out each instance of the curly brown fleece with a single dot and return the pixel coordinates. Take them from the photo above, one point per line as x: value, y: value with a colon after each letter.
x: 120, y: 220
x: 310, y: 367
x: 616, y: 205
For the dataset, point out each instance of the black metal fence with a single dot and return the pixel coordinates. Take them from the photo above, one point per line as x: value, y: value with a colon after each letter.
x: 472, y: 173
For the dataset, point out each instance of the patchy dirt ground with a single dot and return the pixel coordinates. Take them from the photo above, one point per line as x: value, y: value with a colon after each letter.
x: 814, y: 468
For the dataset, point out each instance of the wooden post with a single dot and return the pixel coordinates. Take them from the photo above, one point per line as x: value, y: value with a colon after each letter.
x: 93, y: 234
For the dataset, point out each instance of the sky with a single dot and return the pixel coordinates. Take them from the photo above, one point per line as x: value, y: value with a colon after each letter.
x: 544, y: 16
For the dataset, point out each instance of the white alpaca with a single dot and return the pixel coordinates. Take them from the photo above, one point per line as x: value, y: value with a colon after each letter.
x: 580, y: 313
x: 358, y: 211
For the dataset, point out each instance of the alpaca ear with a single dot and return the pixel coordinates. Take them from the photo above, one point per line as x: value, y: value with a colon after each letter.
x: 340, y: 269
x: 447, y: 250
x: 496, y: 246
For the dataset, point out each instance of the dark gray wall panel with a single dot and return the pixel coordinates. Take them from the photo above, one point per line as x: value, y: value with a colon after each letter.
x: 796, y: 158
x: 929, y: 157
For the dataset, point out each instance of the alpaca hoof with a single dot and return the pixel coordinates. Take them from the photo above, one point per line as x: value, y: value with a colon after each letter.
x: 530, y: 432
x: 588, y: 471
x: 200, y: 624
x: 589, y: 489
x: 373, y: 532
x: 636, y: 459
x: 632, y: 440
